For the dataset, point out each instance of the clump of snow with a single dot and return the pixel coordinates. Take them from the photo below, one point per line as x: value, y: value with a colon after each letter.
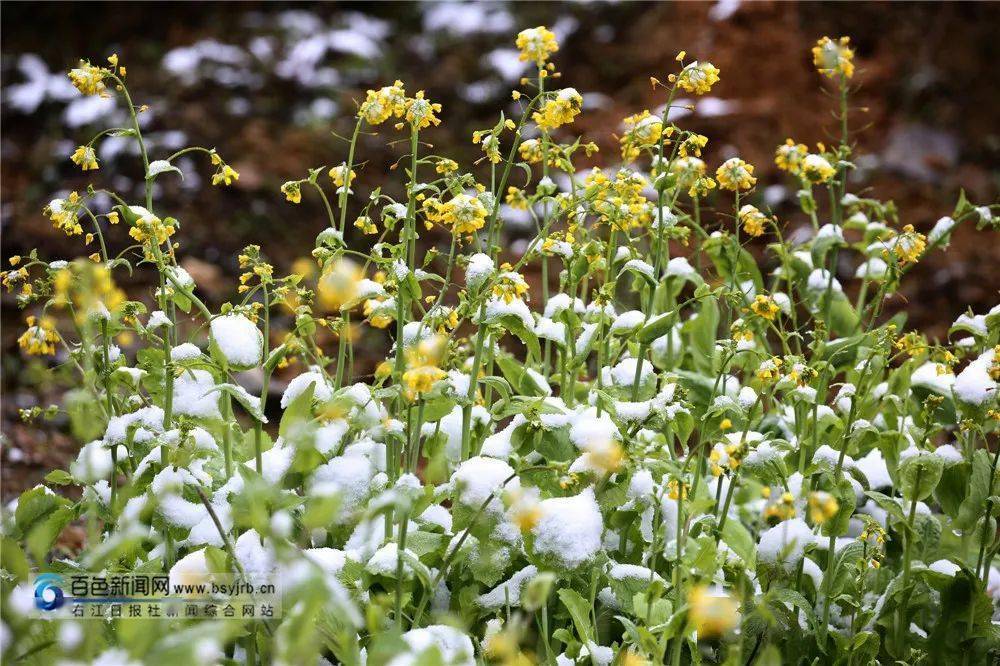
x: 640, y: 266
x: 623, y: 374
x: 159, y: 319
x: 190, y: 569
x: 941, y: 228
x: 588, y: 428
x: 680, y: 267
x: 239, y: 340
x: 194, y: 395
x: 570, y: 529
x: 946, y: 567
x: 478, y: 478
x: 508, y: 592
x: 974, y: 385
x: 321, y: 393
x: 348, y: 477
x: 928, y: 376
x: 628, y: 322
x: 455, y: 647
x: 785, y: 543
x: 479, y: 270
x: 92, y: 463
x: 185, y: 352
x: 252, y: 554
x: 949, y: 453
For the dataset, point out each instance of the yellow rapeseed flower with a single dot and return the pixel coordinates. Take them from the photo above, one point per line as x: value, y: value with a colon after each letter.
x: 560, y: 109
x: 420, y: 112
x: 380, y: 105
x: 85, y: 158
x: 822, y: 507
x: 817, y: 169
x: 834, y: 57
x: 753, y: 220
x: 292, y: 191
x: 88, y: 79
x: 40, y: 338
x: 713, y: 614
x: 789, y: 155
x: 226, y: 175
x: 735, y: 175
x: 764, y: 306
x: 536, y: 45
x: 698, y: 77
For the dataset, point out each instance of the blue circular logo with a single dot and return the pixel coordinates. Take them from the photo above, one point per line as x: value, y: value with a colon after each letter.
x: 48, y: 593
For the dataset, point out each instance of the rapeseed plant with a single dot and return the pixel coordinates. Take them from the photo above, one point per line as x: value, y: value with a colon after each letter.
x: 647, y: 457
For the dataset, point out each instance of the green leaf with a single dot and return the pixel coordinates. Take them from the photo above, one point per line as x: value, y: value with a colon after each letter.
x: 59, y: 477
x: 919, y: 475
x: 298, y: 412
x: 979, y: 487
x: 579, y: 610
x: 516, y: 327
x: 887, y: 504
x: 250, y: 403
x: 739, y: 539
x: 655, y: 328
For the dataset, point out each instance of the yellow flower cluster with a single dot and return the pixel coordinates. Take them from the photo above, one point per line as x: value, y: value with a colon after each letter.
x: 509, y: 285
x: 338, y: 284
x: 536, y: 45
x: 422, y: 369
x: 764, y: 306
x: 734, y: 174
x: 620, y: 201
x: 693, y: 144
x: 713, y: 614
x: 149, y: 227
x: 64, y: 212
x: 420, y: 112
x: 788, y: 157
x: 822, y: 507
x: 698, y: 77
x: 816, y: 169
x: 770, y: 369
x: 908, y: 246
x: 464, y: 213
x: 559, y: 109
x: 340, y: 175
x: 642, y: 131
x: 753, y: 220
x: 224, y: 174
x: 85, y: 158
x: 88, y: 79
x: 834, y: 57
x: 783, y: 509
x: 381, y: 104
x: 531, y: 151
x: 690, y: 173
x: 365, y: 224
x: 292, y: 191
x: 40, y: 338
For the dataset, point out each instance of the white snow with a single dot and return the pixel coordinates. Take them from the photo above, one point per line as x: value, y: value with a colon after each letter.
x: 974, y: 384
x: 785, y: 543
x: 477, y: 478
x: 194, y: 395
x: 570, y: 529
x: 321, y: 393
x: 239, y: 340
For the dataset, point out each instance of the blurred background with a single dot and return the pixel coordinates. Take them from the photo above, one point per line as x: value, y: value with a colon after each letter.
x: 268, y: 85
